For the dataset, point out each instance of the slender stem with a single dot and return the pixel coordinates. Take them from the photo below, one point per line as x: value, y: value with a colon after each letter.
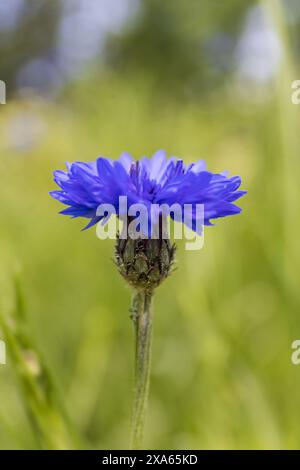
x: 142, y: 317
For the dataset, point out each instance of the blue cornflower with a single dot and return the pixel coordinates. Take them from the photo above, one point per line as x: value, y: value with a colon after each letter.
x: 145, y: 262
x: 157, y: 180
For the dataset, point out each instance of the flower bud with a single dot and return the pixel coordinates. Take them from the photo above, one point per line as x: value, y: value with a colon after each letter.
x: 144, y: 263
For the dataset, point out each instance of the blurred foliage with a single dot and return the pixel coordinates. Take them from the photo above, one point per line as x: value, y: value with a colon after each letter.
x: 171, y: 40
x: 45, y: 411
x: 34, y: 37
x: 225, y: 320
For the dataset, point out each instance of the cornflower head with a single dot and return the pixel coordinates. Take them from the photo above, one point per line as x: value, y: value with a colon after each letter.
x: 154, y: 183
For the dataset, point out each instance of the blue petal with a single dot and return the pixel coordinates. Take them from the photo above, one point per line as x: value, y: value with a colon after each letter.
x: 159, y: 180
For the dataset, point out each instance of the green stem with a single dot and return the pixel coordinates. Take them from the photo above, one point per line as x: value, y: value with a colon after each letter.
x: 41, y: 399
x: 142, y: 317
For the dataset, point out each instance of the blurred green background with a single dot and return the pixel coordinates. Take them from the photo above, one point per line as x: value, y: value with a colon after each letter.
x: 200, y: 79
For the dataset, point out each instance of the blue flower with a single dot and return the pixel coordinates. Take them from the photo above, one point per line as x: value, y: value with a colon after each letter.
x: 157, y: 180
